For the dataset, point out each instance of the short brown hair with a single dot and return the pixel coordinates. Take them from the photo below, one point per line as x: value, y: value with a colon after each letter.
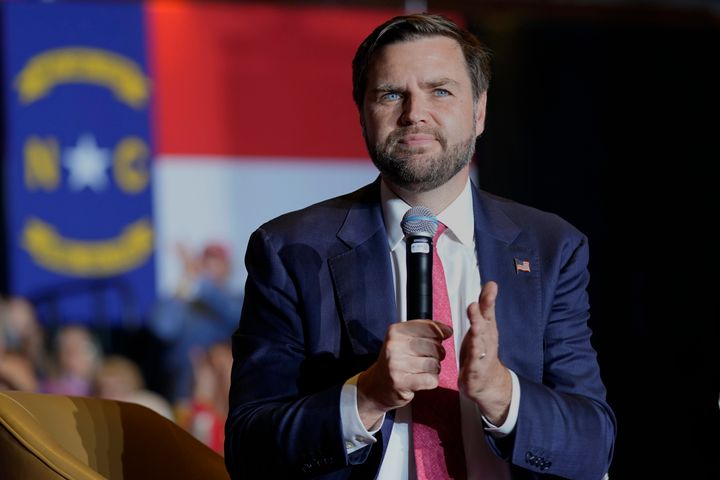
x: 412, y: 27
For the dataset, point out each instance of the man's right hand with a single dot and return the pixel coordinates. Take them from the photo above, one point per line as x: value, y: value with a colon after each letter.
x: 409, y: 361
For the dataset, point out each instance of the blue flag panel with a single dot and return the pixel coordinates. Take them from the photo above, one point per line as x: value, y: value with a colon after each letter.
x: 78, y: 196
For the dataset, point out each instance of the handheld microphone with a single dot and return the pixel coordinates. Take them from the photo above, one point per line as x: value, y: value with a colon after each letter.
x: 419, y: 226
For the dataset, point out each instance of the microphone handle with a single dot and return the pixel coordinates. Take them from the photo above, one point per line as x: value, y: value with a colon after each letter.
x: 419, y: 257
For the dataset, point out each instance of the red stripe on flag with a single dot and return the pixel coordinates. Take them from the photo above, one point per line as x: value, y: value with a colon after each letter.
x: 240, y: 80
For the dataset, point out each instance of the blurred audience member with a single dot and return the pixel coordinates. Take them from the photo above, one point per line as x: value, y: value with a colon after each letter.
x: 206, y: 414
x: 23, y: 333
x: 77, y: 358
x: 119, y: 378
x: 16, y: 369
x: 202, y: 312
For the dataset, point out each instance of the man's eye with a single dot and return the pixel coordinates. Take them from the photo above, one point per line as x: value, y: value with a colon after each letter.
x: 441, y: 92
x: 391, y: 96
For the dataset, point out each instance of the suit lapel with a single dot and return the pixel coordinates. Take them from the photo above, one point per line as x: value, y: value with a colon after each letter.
x: 362, y: 275
x: 365, y: 292
x: 365, y: 289
x: 500, y: 247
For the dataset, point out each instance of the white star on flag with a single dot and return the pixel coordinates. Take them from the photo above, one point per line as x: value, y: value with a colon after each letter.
x: 87, y: 164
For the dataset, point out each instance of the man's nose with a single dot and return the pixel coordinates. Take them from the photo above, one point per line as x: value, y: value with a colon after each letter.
x: 414, y: 110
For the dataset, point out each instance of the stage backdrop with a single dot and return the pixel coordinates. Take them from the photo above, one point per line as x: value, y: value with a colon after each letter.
x: 135, y: 129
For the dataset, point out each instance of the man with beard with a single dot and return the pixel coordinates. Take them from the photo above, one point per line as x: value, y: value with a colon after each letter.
x: 330, y: 377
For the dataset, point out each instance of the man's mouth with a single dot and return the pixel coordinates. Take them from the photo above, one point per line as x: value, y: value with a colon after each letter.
x: 417, y: 140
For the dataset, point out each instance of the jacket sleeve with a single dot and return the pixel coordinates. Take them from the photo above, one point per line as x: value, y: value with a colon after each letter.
x: 565, y: 427
x: 275, y: 429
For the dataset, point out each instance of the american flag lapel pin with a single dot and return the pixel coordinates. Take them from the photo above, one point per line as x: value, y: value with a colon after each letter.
x: 521, y: 265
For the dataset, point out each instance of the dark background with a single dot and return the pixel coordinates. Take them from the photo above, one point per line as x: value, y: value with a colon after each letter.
x: 607, y: 114
x: 610, y: 119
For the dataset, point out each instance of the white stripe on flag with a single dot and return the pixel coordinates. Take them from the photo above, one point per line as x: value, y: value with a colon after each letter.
x: 199, y: 199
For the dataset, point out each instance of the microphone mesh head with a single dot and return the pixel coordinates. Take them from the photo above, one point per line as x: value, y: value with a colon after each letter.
x: 419, y: 221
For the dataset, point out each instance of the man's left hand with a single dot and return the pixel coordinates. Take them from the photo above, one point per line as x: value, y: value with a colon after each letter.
x: 482, y: 376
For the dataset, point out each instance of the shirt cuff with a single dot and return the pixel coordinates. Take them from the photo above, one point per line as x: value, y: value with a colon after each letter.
x: 355, y: 435
x: 509, y: 425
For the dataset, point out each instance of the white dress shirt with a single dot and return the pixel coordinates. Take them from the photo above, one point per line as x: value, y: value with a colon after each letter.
x: 456, y: 248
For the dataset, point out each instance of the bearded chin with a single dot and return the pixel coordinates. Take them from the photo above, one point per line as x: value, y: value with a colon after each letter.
x: 421, y: 174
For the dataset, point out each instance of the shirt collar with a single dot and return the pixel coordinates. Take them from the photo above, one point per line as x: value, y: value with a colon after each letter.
x: 458, y: 217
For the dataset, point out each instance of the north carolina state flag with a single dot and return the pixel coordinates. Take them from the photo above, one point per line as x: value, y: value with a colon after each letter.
x: 77, y: 190
x: 253, y: 117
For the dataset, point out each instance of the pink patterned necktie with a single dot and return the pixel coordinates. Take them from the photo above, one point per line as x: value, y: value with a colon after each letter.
x: 437, y: 435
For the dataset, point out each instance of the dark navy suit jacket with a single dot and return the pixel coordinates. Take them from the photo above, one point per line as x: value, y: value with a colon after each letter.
x: 320, y: 296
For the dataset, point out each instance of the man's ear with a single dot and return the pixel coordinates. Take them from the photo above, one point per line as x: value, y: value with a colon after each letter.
x: 480, y: 110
